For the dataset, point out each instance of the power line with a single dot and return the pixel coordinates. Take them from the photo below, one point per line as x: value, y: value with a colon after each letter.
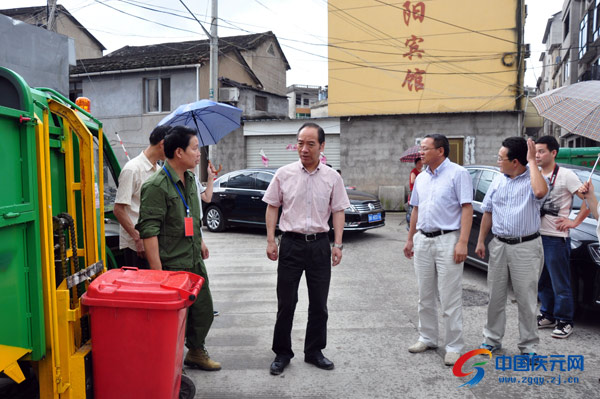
x: 143, y: 19
x: 354, y: 64
x: 224, y: 40
x: 199, y: 23
x: 345, y: 17
x: 436, y: 20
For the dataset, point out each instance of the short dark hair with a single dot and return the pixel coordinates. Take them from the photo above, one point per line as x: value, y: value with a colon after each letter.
x: 439, y: 140
x: 158, y: 134
x: 178, y: 137
x: 319, y: 130
x: 517, y: 149
x: 417, y: 159
x: 550, y: 142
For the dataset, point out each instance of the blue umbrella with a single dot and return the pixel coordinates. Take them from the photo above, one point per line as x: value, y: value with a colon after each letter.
x: 211, y: 120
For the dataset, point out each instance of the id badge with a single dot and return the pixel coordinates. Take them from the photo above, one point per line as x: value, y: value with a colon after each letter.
x: 189, y: 227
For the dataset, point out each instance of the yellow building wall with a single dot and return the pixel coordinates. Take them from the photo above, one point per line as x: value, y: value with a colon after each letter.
x: 432, y: 56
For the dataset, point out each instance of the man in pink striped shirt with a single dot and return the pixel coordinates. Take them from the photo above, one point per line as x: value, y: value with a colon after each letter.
x: 308, y: 193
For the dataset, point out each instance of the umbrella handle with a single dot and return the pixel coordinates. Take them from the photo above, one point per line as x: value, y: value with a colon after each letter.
x: 215, y: 171
x: 594, y: 168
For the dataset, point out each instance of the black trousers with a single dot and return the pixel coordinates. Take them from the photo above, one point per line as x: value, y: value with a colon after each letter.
x: 295, y: 257
x: 132, y: 259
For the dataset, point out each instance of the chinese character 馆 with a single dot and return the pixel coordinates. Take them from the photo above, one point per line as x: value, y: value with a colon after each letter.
x: 414, y: 78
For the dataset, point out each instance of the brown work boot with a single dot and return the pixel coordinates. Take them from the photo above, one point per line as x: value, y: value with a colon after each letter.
x: 199, y: 358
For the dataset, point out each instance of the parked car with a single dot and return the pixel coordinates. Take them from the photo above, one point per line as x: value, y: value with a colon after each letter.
x: 585, y: 250
x: 237, y: 200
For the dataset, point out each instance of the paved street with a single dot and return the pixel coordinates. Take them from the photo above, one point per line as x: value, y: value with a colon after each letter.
x: 372, y: 321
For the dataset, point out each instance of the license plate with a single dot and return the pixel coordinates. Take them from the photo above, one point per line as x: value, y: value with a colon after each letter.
x: 374, y: 217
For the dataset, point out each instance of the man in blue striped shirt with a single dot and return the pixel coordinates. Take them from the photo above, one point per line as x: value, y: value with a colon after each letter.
x: 512, y: 210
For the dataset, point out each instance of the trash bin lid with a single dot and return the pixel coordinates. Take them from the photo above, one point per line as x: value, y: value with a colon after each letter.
x: 148, y: 289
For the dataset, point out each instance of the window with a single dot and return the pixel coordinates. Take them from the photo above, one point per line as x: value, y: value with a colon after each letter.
x: 597, y: 21
x: 305, y: 102
x: 583, y: 36
x: 487, y: 176
x: 271, y: 50
x: 260, y: 103
x: 298, y: 100
x: 566, y: 23
x: 157, y: 95
x: 474, y: 177
x: 566, y: 70
x: 75, y: 90
x: 243, y: 180
x: 586, y: 32
x: 263, y: 179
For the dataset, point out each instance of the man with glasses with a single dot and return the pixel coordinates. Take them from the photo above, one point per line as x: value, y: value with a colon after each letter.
x: 512, y: 210
x: 440, y: 224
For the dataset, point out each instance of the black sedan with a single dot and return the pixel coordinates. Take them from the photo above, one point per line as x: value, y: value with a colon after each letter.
x: 585, y: 251
x: 237, y: 200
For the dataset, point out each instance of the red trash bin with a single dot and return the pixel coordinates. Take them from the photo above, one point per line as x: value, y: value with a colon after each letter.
x: 137, y: 322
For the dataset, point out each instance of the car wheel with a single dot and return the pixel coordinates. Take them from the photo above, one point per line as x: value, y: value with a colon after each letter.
x: 214, y: 219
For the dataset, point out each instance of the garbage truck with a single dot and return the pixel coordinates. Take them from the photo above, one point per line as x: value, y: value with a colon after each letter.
x: 52, y: 238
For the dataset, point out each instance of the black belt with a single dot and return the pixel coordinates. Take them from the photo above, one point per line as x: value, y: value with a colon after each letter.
x: 518, y: 240
x: 436, y: 233
x: 304, y: 237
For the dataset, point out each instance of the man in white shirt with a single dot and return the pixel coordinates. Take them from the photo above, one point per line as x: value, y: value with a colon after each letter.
x: 127, y: 202
x: 440, y: 224
x: 554, y: 287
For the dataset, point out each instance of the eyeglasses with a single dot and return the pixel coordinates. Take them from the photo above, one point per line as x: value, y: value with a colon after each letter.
x: 423, y: 149
x: 500, y: 159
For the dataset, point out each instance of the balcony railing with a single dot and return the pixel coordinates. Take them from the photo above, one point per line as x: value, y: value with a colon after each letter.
x: 592, y: 74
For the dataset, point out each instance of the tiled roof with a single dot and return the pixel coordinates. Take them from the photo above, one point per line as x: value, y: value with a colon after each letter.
x: 169, y: 54
x: 34, y: 13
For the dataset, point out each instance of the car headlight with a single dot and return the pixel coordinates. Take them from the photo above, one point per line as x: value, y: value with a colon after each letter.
x: 594, y: 250
x: 575, y: 243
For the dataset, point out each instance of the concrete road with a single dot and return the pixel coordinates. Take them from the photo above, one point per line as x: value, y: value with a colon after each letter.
x: 372, y: 322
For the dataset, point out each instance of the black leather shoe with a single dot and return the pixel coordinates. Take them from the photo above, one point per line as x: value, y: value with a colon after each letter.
x: 279, y: 364
x: 320, y: 361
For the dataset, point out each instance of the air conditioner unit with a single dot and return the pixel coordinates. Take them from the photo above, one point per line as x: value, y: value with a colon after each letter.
x: 229, y: 94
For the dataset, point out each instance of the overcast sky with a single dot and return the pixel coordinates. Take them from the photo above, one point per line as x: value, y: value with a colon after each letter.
x: 300, y: 26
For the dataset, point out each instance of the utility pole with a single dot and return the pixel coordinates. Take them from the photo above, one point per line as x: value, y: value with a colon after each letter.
x: 51, y: 19
x: 213, y: 93
x: 214, y: 53
x: 213, y: 90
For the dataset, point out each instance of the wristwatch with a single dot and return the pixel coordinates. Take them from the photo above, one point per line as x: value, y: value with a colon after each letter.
x: 340, y: 246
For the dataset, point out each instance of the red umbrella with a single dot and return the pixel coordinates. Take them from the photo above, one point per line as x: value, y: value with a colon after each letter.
x: 411, y: 154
